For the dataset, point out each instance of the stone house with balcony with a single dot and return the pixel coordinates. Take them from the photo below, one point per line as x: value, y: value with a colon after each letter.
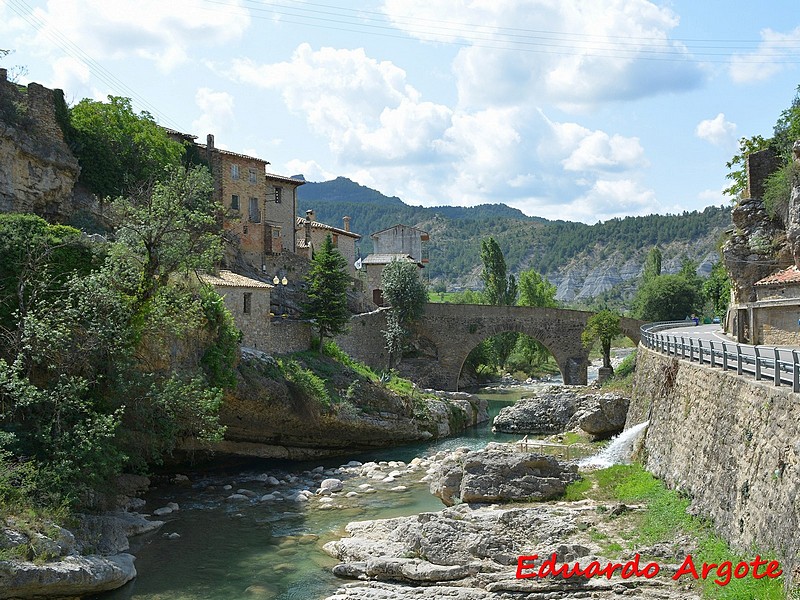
x: 310, y: 234
x: 260, y: 207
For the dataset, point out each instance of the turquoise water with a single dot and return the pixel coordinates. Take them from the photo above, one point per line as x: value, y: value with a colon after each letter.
x: 273, y: 550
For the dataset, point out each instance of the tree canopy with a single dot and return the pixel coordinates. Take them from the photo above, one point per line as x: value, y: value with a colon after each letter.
x: 667, y: 298
x: 406, y: 294
x: 118, y: 149
x: 499, y: 288
x: 603, y: 326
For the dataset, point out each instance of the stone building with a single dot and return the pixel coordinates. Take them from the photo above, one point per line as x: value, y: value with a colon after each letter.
x: 774, y: 318
x: 311, y: 234
x: 402, y: 239
x: 259, y: 207
x: 248, y: 300
x: 400, y: 242
x: 374, y: 265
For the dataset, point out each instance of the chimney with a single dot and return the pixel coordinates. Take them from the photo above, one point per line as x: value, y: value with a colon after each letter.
x: 210, y: 141
x: 346, y: 223
x: 309, y: 218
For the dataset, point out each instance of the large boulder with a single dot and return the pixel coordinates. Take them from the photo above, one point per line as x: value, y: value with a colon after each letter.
x: 499, y: 473
x: 547, y: 412
x: 603, y: 415
x: 72, y: 576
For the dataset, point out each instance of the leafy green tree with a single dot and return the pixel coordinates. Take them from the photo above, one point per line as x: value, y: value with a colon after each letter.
x: 717, y: 289
x: 405, y: 292
x: 327, y: 282
x: 787, y: 129
x: 118, y: 149
x: 536, y: 291
x: 500, y: 289
x: 165, y: 228
x: 603, y: 326
x: 652, y: 265
x: 737, y: 164
x: 667, y: 298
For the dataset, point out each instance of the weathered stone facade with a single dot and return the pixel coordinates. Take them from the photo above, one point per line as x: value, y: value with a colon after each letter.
x: 448, y: 332
x: 730, y: 443
x: 311, y: 234
x: 39, y: 170
x: 248, y: 300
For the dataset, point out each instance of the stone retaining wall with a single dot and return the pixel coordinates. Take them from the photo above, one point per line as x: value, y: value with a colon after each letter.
x: 731, y: 443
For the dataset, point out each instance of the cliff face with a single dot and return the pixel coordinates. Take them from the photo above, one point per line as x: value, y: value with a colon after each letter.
x: 39, y: 170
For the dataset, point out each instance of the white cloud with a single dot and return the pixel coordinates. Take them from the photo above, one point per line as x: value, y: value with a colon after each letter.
x: 216, y: 111
x: 581, y: 149
x: 612, y: 198
x: 309, y: 169
x: 717, y: 131
x: 69, y: 74
x: 159, y: 31
x: 775, y: 51
x: 570, y: 52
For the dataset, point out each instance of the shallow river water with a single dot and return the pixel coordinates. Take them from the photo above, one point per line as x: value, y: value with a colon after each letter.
x: 273, y: 550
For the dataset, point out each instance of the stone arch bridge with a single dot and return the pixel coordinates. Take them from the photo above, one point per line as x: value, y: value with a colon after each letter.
x: 448, y: 332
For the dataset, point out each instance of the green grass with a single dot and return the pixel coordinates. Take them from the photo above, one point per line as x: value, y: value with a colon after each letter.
x: 665, y: 518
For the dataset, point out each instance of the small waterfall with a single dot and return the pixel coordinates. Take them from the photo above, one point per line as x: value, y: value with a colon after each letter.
x: 618, y: 451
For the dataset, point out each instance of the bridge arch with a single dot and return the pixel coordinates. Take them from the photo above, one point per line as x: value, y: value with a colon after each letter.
x: 448, y: 332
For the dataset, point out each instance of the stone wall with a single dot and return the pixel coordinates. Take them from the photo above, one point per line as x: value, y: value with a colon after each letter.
x: 364, y: 340
x: 731, y: 443
x: 288, y: 335
x: 39, y: 170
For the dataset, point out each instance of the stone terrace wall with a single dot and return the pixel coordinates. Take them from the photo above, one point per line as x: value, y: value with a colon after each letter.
x: 731, y: 443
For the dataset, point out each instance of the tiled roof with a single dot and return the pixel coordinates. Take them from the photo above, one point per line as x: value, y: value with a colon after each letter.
x: 399, y: 225
x: 301, y: 222
x: 171, y: 131
x: 229, y: 279
x: 385, y: 259
x: 236, y: 154
x: 302, y: 243
x: 285, y: 179
x: 790, y: 275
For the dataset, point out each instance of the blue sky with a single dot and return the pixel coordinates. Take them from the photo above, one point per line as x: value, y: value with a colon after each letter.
x: 567, y: 109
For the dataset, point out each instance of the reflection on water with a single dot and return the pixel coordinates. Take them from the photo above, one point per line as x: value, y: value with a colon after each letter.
x: 273, y: 550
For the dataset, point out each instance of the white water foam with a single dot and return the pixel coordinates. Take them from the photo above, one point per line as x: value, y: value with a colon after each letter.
x: 619, y: 451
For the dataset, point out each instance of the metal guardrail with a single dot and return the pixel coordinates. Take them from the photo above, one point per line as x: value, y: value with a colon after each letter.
x: 784, y: 364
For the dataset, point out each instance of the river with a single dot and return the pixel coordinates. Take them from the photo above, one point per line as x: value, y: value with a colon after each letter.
x: 273, y: 550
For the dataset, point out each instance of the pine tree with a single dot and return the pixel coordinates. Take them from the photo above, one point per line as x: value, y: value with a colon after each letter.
x: 327, y: 292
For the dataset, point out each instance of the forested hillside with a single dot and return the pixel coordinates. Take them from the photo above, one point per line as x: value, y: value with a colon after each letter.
x: 551, y: 247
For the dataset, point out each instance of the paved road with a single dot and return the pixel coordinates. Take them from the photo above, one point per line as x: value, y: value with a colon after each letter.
x: 714, y: 333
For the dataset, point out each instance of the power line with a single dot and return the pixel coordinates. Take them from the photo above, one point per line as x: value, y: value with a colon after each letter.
x: 70, y: 48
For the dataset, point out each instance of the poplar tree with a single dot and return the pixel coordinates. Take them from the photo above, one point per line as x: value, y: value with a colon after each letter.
x: 327, y: 292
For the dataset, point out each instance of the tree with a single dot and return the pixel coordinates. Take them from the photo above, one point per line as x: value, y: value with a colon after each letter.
x: 165, y: 228
x: 327, y: 282
x: 652, y: 265
x: 603, y: 326
x: 536, y: 291
x: 499, y: 289
x: 405, y: 292
x: 717, y: 289
x: 667, y: 298
x: 118, y: 149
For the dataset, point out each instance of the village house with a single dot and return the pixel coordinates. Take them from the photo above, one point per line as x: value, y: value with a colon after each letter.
x: 260, y: 208
x: 248, y: 300
x: 311, y: 234
x: 400, y: 242
x: 774, y: 318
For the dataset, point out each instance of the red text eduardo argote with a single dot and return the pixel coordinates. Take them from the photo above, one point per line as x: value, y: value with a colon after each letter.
x: 758, y: 568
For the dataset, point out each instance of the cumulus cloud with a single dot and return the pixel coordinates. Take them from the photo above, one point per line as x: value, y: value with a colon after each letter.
x: 581, y: 149
x: 717, y: 131
x: 216, y: 111
x: 775, y: 51
x: 570, y: 52
x: 159, y: 31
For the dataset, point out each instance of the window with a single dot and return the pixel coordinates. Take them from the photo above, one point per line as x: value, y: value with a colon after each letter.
x: 244, y: 230
x: 252, y: 175
x: 248, y: 302
x: 234, y: 202
x: 255, y: 212
x: 276, y: 232
x: 278, y: 195
x: 234, y: 171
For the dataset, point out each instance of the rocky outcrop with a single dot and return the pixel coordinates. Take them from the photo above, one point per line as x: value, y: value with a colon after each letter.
x: 464, y: 553
x: 560, y: 409
x: 270, y: 418
x: 498, y: 473
x: 601, y: 279
x: 72, y: 576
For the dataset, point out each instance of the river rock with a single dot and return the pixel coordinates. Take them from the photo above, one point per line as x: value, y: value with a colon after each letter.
x: 547, y: 412
x: 331, y: 485
x: 108, y: 534
x: 72, y: 576
x: 603, y: 415
x: 499, y: 473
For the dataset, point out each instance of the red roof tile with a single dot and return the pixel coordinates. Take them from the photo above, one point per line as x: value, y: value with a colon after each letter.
x: 790, y: 275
